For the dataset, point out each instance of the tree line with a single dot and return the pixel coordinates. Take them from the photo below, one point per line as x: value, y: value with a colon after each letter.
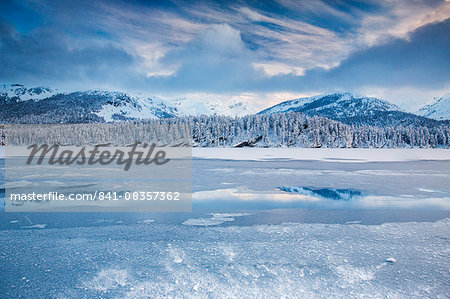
x: 272, y: 130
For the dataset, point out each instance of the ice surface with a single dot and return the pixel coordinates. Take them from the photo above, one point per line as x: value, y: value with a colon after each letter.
x: 146, y: 221
x: 216, y: 219
x: 325, y: 193
x: 354, y: 178
x: 353, y: 222
x: 107, y: 279
x: 259, y: 261
x: 38, y: 226
x: 223, y: 251
x: 322, y: 154
x: 206, y: 221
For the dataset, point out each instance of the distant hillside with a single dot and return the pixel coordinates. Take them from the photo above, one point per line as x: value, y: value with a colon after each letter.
x: 18, y: 93
x: 19, y: 104
x: 351, y: 109
x: 439, y: 110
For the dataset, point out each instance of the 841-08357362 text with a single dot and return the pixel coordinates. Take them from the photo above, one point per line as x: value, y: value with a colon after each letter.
x: 97, y: 195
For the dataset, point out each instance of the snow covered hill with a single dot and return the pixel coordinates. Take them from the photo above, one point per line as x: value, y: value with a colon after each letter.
x: 211, y: 107
x: 122, y: 106
x: 18, y: 92
x: 350, y: 109
x: 43, y: 105
x: 439, y: 110
x: 20, y: 104
x: 338, y: 105
x: 48, y: 105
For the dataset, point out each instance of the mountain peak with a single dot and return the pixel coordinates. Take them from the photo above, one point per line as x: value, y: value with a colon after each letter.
x: 439, y: 110
x: 188, y: 106
x: 339, y: 105
x: 103, y: 105
x: 351, y: 109
x: 18, y: 92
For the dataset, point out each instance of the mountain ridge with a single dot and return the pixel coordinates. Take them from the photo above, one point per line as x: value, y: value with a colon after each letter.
x: 18, y: 92
x: 439, y: 110
x: 351, y: 109
x: 21, y: 104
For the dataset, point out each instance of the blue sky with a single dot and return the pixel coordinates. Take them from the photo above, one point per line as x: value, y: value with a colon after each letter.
x: 257, y: 51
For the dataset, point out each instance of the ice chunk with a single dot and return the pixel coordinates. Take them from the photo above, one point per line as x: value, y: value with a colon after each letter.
x: 216, y: 219
x: 203, y: 222
x: 39, y: 226
x: 146, y: 221
x: 228, y: 215
x: 353, y: 222
x: 390, y: 260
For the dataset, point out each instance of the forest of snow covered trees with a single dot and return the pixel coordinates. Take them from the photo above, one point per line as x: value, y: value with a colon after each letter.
x: 2, y: 135
x: 272, y: 130
x: 299, y: 130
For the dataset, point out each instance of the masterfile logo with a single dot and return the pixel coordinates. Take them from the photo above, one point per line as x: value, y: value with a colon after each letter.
x: 81, y: 168
x: 98, y: 155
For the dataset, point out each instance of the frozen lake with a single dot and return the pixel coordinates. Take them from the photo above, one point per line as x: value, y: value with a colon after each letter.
x: 255, y: 178
x: 265, y: 223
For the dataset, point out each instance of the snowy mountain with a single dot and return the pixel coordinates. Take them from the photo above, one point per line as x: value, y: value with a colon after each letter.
x: 18, y: 92
x: 350, y: 109
x: 86, y: 106
x: 29, y: 105
x: 439, y: 110
x: 338, y: 105
x: 121, y: 106
x: 211, y: 107
x: 19, y: 104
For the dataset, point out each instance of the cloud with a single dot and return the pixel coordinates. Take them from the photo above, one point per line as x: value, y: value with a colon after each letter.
x: 216, y: 60
x: 272, y: 47
x: 46, y: 57
x: 219, y: 61
x: 399, y: 18
x: 422, y: 60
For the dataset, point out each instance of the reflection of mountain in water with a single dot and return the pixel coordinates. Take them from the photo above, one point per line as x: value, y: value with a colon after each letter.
x: 325, y: 193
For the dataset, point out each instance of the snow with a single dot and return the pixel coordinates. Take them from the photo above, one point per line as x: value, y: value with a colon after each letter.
x: 141, y: 107
x: 350, y: 155
x: 347, y: 101
x: 285, y: 106
x: 137, y: 105
x: 439, y: 110
x: 26, y: 94
x: 210, y: 107
x: 137, y: 108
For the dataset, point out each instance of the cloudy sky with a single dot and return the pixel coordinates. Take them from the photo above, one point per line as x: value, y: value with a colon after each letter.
x: 262, y: 52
